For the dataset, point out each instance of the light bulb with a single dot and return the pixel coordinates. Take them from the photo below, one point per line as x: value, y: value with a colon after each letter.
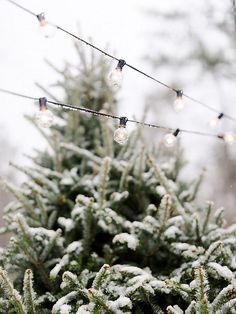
x: 44, y: 118
x: 214, y: 122
x: 171, y: 138
x: 115, y: 78
x: 178, y: 103
x: 121, y: 134
x: 229, y: 138
x: 46, y: 28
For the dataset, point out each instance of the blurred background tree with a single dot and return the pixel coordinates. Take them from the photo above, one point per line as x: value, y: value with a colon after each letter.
x: 7, y: 150
x: 197, y: 45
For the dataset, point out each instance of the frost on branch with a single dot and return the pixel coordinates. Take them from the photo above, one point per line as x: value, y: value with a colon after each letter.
x: 100, y: 228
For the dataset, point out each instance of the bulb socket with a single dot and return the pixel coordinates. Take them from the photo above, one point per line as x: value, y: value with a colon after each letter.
x: 43, y: 103
x: 121, y: 64
x: 41, y: 17
x: 179, y: 93
x: 220, y: 116
x: 176, y: 132
x: 123, y: 122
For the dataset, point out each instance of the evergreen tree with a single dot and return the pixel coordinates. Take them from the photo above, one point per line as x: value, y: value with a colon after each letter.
x: 103, y: 228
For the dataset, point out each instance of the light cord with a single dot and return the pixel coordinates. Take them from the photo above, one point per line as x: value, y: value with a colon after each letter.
x: 227, y: 116
x: 111, y: 116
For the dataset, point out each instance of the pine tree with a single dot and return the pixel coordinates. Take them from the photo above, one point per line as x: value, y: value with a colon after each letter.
x: 103, y: 228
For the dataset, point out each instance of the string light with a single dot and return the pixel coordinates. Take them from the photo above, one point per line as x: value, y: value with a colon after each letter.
x: 121, y: 134
x: 178, y: 103
x: 128, y: 65
x: 171, y: 138
x: 214, y: 122
x: 227, y: 137
x: 44, y: 118
x: 46, y: 28
x: 116, y: 76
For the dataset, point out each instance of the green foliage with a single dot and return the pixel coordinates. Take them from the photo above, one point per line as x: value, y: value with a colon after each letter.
x: 110, y: 229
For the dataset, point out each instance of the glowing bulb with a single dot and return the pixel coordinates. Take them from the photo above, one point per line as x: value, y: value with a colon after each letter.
x: 214, y: 122
x: 229, y: 138
x: 171, y: 138
x: 44, y: 118
x: 46, y: 28
x: 178, y: 103
x: 121, y: 134
x: 115, y: 78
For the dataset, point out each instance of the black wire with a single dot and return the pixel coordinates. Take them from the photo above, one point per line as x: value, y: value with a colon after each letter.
x: 22, y: 8
x: 73, y: 107
x: 87, y: 43
x: 107, y: 115
x: 129, y: 65
x: 17, y: 94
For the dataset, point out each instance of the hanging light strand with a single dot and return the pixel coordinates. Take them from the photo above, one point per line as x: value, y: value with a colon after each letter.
x: 227, y: 116
x: 122, y: 135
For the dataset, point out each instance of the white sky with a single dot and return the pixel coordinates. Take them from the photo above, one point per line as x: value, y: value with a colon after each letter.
x: 122, y: 25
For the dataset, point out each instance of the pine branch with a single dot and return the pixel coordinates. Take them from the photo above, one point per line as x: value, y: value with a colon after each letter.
x: 83, y: 153
x: 202, y: 305
x: 11, y: 293
x: 100, y: 277
x: 159, y: 174
x: 29, y: 294
x: 48, y: 248
x: 104, y: 179
x: 207, y: 218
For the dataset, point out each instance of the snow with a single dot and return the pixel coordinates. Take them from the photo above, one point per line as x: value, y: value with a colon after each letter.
x: 67, y: 181
x: 196, y: 264
x: 132, y: 241
x: 77, y: 211
x: 67, y: 223
x: 233, y: 263
x: 75, y: 246
x: 67, y: 275
x: 223, y: 271
x: 54, y: 272
x: 119, y: 303
x: 140, y: 281
x: 65, y: 309
x: 117, y: 197
x: 62, y: 303
x: 41, y: 232
x: 85, y: 309
x: 161, y: 190
x: 159, y: 285
x: 182, y: 246
x: 172, y: 232
x: 129, y: 269
x: 175, y: 309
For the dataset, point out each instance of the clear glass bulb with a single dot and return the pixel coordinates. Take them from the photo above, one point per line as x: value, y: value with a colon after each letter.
x: 178, y: 104
x: 214, y: 122
x: 229, y: 138
x: 46, y: 29
x: 44, y: 118
x: 115, y: 78
x: 121, y: 135
x: 169, y: 140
